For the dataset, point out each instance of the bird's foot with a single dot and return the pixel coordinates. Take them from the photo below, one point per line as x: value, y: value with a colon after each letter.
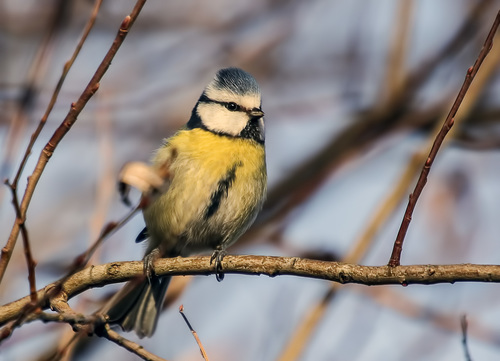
x: 149, y: 261
x: 217, y: 258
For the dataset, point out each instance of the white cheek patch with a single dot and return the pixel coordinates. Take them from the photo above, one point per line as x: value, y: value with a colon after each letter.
x: 220, y: 120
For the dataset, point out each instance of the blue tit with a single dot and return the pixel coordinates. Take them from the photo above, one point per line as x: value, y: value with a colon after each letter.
x: 218, y: 183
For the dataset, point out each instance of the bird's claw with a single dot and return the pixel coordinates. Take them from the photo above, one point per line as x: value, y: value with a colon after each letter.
x: 149, y: 261
x: 217, y: 258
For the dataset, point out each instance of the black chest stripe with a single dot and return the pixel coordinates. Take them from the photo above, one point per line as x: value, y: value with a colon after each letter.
x: 222, y: 190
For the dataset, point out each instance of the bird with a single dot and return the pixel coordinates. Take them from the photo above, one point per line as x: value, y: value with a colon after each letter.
x: 217, y: 186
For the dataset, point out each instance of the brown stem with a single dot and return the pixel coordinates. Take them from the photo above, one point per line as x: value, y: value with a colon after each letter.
x: 130, y: 345
x: 55, y: 94
x: 395, y: 259
x: 31, y: 263
x: 195, y: 334
x: 65, y: 126
x: 463, y: 325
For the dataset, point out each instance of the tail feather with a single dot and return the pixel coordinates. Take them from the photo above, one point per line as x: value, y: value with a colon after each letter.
x: 137, y: 305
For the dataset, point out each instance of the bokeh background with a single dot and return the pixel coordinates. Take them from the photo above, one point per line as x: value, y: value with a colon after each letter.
x: 352, y: 91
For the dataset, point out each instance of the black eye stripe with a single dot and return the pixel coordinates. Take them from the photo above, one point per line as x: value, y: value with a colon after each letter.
x: 232, y: 106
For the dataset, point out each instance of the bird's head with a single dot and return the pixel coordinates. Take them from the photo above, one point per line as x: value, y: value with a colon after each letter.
x: 230, y: 105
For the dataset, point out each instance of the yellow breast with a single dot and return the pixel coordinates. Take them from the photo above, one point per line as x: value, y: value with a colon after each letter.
x: 206, y: 166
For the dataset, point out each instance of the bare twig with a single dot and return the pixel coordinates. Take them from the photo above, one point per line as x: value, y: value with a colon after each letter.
x: 395, y: 81
x: 66, y: 344
x: 54, y: 291
x: 20, y: 217
x: 76, y: 108
x: 35, y: 72
x: 61, y: 131
x: 395, y: 259
x: 109, y: 229
x: 395, y: 71
x: 98, y: 276
x: 71, y: 318
x: 129, y: 345
x: 64, y: 349
x: 411, y: 170
x: 463, y: 325
x: 30, y: 262
x: 55, y: 94
x: 303, y: 332
x: 195, y: 335
x: 304, y: 179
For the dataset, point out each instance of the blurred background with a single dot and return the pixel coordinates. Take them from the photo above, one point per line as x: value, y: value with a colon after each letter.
x: 353, y: 92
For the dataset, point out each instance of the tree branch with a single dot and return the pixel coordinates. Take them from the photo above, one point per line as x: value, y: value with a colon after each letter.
x: 130, y: 345
x: 448, y: 123
x: 101, y: 275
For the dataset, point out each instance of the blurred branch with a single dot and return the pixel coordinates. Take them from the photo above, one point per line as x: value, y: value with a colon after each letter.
x: 55, y: 94
x: 28, y: 92
x: 393, y: 200
x: 304, y: 179
x: 86, y: 325
x: 129, y: 345
x: 489, y: 66
x: 61, y: 131
x: 31, y: 264
x: 448, y: 123
x: 101, y: 275
x: 64, y: 349
x: 395, y: 87
x: 55, y: 290
x: 26, y: 101
x: 463, y: 324
x: 395, y: 69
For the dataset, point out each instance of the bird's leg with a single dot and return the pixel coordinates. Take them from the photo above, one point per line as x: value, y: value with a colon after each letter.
x: 149, y: 261
x: 217, y: 257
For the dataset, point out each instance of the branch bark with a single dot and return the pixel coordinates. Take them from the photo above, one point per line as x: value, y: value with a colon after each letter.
x: 101, y: 275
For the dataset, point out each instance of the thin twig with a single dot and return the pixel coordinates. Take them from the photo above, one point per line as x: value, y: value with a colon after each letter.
x: 195, y: 335
x: 30, y: 262
x: 55, y: 289
x: 64, y: 347
x: 20, y: 217
x: 55, y: 94
x: 395, y: 76
x: 63, y: 350
x: 410, y: 172
x: 65, y: 317
x: 395, y: 259
x: 65, y: 126
x: 305, y: 178
x: 35, y: 72
x: 129, y: 345
x: 70, y: 119
x: 109, y: 229
x: 463, y: 324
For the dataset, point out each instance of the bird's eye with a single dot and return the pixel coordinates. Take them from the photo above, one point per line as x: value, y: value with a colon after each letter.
x: 232, y: 106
